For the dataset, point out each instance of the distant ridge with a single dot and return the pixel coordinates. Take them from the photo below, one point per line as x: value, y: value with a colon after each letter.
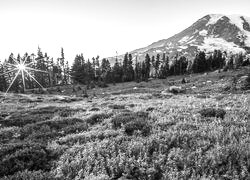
x: 229, y: 33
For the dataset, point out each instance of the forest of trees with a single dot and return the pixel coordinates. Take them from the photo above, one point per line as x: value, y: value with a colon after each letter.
x: 41, y: 67
x: 160, y: 66
x: 101, y: 72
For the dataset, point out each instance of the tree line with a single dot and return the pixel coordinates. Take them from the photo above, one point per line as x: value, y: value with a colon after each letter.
x: 41, y: 71
x: 101, y: 72
x: 160, y: 66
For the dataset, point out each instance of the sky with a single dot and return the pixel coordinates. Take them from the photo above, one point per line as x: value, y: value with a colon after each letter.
x: 99, y: 27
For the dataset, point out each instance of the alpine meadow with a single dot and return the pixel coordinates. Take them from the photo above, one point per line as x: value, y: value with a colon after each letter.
x: 76, y: 103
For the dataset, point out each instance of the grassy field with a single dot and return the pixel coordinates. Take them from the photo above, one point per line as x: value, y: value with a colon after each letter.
x: 129, y: 131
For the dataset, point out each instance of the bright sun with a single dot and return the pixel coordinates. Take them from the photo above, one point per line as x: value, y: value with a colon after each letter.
x: 21, y: 67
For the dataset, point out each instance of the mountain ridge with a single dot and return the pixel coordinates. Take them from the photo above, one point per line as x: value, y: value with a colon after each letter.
x: 230, y: 33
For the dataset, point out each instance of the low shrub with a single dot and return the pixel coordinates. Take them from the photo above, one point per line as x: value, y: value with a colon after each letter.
x: 211, y: 112
x: 97, y: 118
x: 61, y: 123
x: 94, y: 109
x: 98, y: 177
x: 165, y: 126
x: 246, y: 83
x: 75, y: 128
x: 9, y: 133
x: 131, y: 105
x: 31, y: 116
x: 150, y: 109
x: 85, y: 137
x: 176, y: 89
x: 202, y: 96
x: 48, y: 130
x: 139, y: 124
x: 42, y: 135
x: 69, y: 112
x: 187, y: 126
x: 116, y: 106
x: 230, y: 161
x: 24, y: 156
x: 127, y: 117
x: 30, y: 175
x: 115, y: 158
x: 102, y: 84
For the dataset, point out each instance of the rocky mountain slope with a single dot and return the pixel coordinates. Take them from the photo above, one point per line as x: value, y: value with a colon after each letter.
x: 215, y: 31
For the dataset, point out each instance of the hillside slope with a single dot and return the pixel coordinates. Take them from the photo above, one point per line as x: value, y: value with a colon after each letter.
x: 214, y: 31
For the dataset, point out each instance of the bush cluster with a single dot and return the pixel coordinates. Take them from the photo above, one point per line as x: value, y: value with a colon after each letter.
x: 32, y: 116
x: 84, y: 137
x: 139, y: 125
x: 132, y: 121
x: 246, y: 85
x: 208, y: 152
x: 94, y: 109
x: 126, y: 117
x: 47, y: 130
x: 97, y: 118
x: 30, y: 175
x: 116, y: 106
x: 212, y: 112
x: 24, y: 156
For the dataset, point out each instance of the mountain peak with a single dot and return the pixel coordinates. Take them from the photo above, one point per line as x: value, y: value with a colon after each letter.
x: 230, y: 33
x: 213, y: 18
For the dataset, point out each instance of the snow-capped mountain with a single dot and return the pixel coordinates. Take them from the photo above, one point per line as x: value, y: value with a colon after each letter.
x: 215, y: 31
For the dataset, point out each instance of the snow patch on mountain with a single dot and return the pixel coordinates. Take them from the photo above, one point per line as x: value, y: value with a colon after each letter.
x: 229, y: 33
x: 203, y: 32
x: 169, y: 44
x: 247, y: 19
x: 192, y: 41
x: 184, y: 39
x: 238, y: 21
x: 211, y: 43
x: 214, y: 18
x: 247, y: 40
x: 183, y: 47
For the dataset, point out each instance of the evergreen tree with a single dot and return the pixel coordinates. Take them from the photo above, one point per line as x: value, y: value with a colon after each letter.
x: 16, y: 84
x: 125, y: 77
x: 117, y: 71
x: 3, y: 82
x: 209, y: 62
x: 106, y: 71
x: 77, y: 70
x: 97, y: 69
x: 40, y: 65
x: 183, y: 63
x: 144, y: 71
x: 199, y: 64
x: 146, y: 67
x: 217, y: 60
x: 157, y: 65
x: 152, y: 71
x: 130, y: 69
x: 137, y: 71
x: 90, y: 73
x: 238, y: 60
x: 164, y: 67
x: 63, y: 67
x: 67, y: 73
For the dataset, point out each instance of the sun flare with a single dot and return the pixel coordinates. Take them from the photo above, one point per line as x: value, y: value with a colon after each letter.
x: 21, y: 67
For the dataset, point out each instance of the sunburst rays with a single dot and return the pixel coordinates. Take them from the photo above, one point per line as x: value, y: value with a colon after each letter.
x: 21, y: 68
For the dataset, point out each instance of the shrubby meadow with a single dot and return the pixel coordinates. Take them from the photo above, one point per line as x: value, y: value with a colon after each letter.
x: 130, y: 131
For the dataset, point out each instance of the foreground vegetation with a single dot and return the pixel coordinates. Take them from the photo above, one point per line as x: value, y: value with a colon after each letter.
x: 130, y: 131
